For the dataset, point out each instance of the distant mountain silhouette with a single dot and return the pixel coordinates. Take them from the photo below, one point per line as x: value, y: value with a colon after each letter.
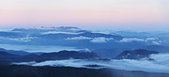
x: 135, y: 54
x: 94, y: 35
x: 5, y: 54
x: 7, y: 57
x: 15, y: 52
x: 60, y: 56
x: 68, y: 54
x: 159, y: 48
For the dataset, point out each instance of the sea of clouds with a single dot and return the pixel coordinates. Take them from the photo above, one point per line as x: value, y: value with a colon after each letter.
x: 37, y: 48
x: 160, y: 63
x: 152, y: 40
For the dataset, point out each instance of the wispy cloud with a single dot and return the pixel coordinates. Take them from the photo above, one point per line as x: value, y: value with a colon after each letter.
x: 151, y: 40
x: 60, y: 32
x: 19, y: 39
x: 131, y: 40
x: 160, y: 63
x: 101, y: 40
x: 79, y: 38
x: 93, y: 40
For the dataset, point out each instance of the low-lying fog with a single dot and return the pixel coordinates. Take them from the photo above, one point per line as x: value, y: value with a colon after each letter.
x: 160, y: 63
x: 37, y: 48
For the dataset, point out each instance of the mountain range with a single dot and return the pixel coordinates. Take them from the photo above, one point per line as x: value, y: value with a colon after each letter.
x: 62, y: 55
x: 106, y: 45
x: 6, y: 57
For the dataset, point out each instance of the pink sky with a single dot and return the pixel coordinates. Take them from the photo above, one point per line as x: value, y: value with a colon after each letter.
x: 60, y: 12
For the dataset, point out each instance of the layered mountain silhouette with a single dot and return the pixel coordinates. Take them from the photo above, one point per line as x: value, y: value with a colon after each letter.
x: 7, y: 57
x: 15, y: 52
x: 135, y: 54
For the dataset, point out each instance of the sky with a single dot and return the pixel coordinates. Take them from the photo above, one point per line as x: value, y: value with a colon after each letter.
x: 118, y: 14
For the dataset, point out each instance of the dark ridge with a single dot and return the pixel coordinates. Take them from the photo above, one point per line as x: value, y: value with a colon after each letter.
x: 62, y: 55
x: 135, y: 54
x: 67, y: 55
x: 47, y: 71
x: 6, y: 58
